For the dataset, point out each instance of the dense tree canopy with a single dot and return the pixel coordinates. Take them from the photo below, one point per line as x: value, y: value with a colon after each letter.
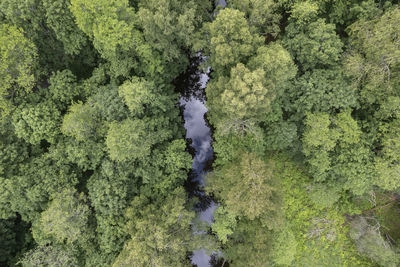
x: 17, y: 65
x: 303, y: 115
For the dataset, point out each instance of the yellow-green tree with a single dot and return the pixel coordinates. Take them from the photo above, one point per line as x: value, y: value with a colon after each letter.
x: 247, y: 187
x: 160, y: 234
x: 18, y: 57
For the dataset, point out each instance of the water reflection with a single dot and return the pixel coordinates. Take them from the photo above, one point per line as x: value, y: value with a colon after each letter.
x: 191, y: 85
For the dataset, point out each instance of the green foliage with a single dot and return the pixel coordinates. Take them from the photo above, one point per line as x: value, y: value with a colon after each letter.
x: 108, y: 192
x: 321, y: 91
x: 35, y: 123
x: 49, y: 255
x: 303, y: 13
x: 318, y: 141
x: 250, y: 245
x: 65, y: 220
x: 138, y: 94
x: 284, y: 248
x: 227, y: 143
x: 63, y: 88
x: 386, y: 162
x: 37, y: 180
x: 277, y: 64
x: 315, y: 45
x: 166, y: 169
x: 108, y: 104
x: 13, y: 151
x: 280, y: 136
x: 321, y: 235
x: 88, y: 107
x: 374, y: 59
x: 371, y: 244
x: 224, y: 223
x: 261, y: 14
x: 246, y: 94
x: 18, y: 59
x: 247, y: 187
x: 338, y: 153
x: 110, y: 26
x: 230, y: 40
x: 86, y: 154
x: 160, y: 235
x: 6, y: 210
x: 324, y: 196
x: 60, y: 19
x: 132, y: 139
x: 80, y: 122
x: 169, y: 27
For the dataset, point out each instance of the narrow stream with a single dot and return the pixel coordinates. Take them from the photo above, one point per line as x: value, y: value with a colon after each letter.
x: 192, y: 86
x: 198, y: 135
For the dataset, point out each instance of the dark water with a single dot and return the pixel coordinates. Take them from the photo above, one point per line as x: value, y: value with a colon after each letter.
x: 192, y: 86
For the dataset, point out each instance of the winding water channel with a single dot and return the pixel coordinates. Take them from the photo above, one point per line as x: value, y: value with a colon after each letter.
x: 192, y: 86
x: 198, y: 134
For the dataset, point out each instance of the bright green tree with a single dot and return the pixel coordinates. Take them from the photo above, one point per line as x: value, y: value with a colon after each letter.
x: 160, y: 235
x: 387, y: 159
x: 37, y: 180
x: 49, y: 255
x: 321, y: 90
x: 337, y: 153
x: 244, y: 96
x: 63, y: 88
x: 247, y: 188
x: 60, y: 19
x: 261, y: 14
x: 110, y: 26
x: 277, y: 64
x: 138, y: 93
x: 374, y: 57
x: 35, y: 123
x: 81, y: 121
x: 315, y: 45
x: 224, y: 223
x: 65, y: 220
x: 130, y: 139
x: 230, y: 40
x: 18, y: 59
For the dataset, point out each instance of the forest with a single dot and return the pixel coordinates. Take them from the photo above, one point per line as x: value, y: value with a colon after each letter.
x: 303, y: 103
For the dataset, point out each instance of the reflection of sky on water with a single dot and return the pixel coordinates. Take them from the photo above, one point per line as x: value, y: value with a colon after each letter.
x: 200, y: 258
x: 221, y: 3
x: 207, y: 215
x: 200, y: 134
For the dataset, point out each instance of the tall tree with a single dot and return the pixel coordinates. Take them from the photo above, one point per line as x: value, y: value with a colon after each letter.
x: 248, y: 188
x: 18, y: 60
x: 65, y: 220
x: 229, y: 41
x: 374, y: 56
x: 314, y: 45
x: 133, y: 139
x: 337, y: 153
x: 160, y: 234
x: 60, y: 19
x: 261, y: 14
